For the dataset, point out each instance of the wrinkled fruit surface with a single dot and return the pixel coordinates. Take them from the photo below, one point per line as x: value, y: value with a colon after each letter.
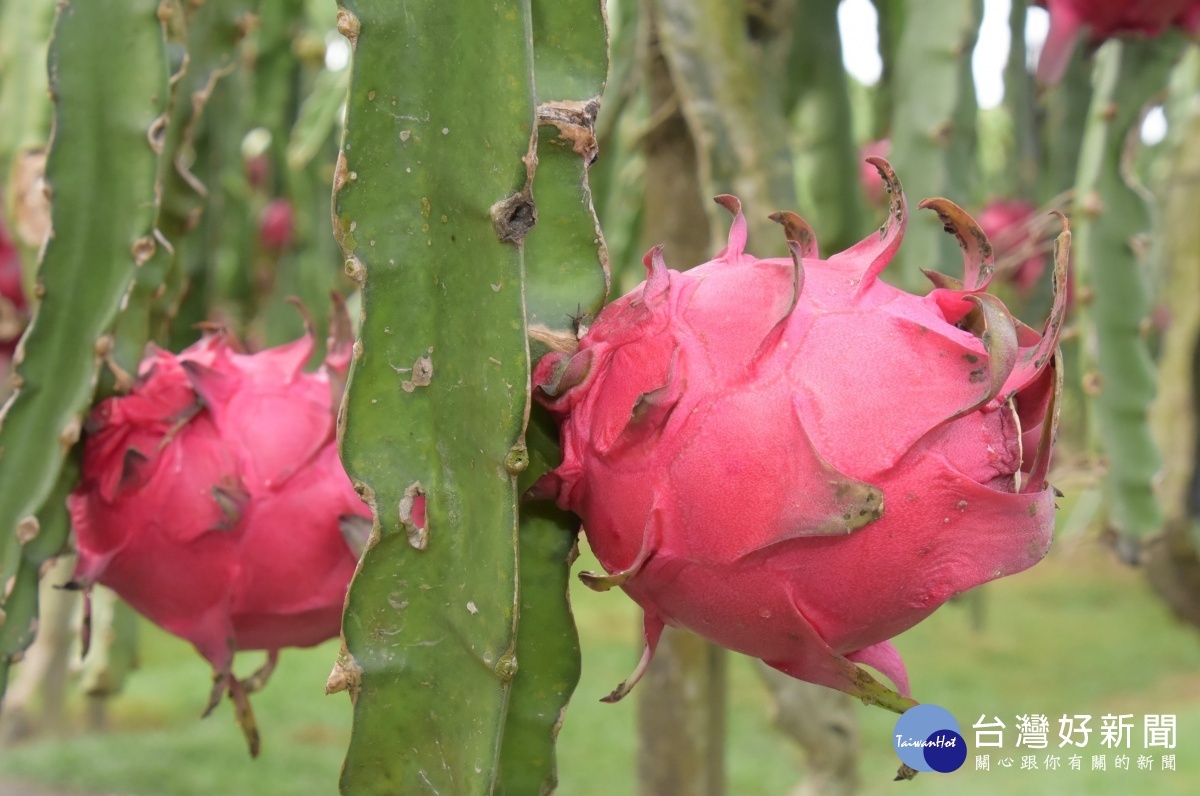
x: 1098, y: 20
x: 798, y: 461
x: 213, y: 501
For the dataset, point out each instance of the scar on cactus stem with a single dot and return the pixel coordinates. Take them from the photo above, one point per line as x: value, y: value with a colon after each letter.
x: 798, y: 461
x: 212, y: 500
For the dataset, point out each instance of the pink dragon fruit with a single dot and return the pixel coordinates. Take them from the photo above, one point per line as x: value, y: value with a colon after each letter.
x: 1105, y: 19
x: 277, y: 226
x: 13, y: 304
x: 213, y: 501
x: 799, y: 461
x: 1011, y: 226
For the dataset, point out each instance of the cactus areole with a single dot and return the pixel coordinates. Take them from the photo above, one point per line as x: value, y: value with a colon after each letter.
x: 799, y: 461
x: 213, y: 501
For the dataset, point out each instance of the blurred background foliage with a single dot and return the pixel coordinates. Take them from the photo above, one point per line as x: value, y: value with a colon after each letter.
x: 776, y: 101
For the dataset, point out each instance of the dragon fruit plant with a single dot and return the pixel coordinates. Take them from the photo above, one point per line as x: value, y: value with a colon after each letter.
x: 799, y: 461
x: 212, y: 500
x: 1100, y: 20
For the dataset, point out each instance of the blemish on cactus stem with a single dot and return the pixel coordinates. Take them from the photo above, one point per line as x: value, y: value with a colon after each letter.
x: 27, y: 529
x: 514, y: 216
x: 70, y: 433
x: 157, y: 134
x: 143, y: 249
x: 517, y: 459
x: 356, y: 270
x: 506, y: 666
x: 346, y: 675
x: 349, y: 26
x: 340, y: 172
x: 418, y: 535
x: 422, y: 374
x: 565, y: 342
x: 576, y: 123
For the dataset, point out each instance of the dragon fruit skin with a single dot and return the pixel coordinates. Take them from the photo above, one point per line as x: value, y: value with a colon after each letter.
x: 1105, y: 19
x: 798, y: 461
x: 212, y: 500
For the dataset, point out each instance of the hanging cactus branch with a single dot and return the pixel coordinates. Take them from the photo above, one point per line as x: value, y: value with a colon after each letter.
x: 1110, y: 228
x: 566, y: 272
x: 432, y: 204
x: 101, y: 171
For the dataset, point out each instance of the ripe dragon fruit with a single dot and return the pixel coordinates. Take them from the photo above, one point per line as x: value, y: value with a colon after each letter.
x: 1105, y: 19
x: 213, y: 501
x: 13, y: 305
x: 799, y: 461
x: 277, y: 226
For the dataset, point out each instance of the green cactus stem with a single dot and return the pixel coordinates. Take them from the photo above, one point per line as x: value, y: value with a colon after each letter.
x: 1020, y: 179
x: 101, y: 170
x: 827, y: 163
x: 735, y: 118
x: 1112, y: 222
x: 566, y: 270
x: 547, y: 642
x: 1171, y: 559
x: 25, y: 110
x: 210, y: 33
x: 1064, y: 116
x: 42, y: 538
x: 24, y: 107
x: 112, y: 653
x: 933, y: 123
x: 303, y: 270
x: 431, y: 207
x: 891, y: 23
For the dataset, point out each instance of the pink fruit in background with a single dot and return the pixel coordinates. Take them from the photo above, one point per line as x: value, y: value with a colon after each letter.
x: 799, y: 461
x: 1099, y: 20
x: 873, y: 186
x: 213, y: 501
x: 277, y: 225
x: 12, y: 296
x: 1011, y: 226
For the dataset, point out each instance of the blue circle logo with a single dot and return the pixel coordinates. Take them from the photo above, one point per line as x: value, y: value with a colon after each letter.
x: 927, y: 738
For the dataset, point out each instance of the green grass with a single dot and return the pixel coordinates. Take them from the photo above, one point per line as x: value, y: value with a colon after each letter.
x: 1077, y: 634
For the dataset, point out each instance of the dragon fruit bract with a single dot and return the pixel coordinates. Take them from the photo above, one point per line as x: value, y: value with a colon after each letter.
x: 798, y: 461
x: 213, y: 502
